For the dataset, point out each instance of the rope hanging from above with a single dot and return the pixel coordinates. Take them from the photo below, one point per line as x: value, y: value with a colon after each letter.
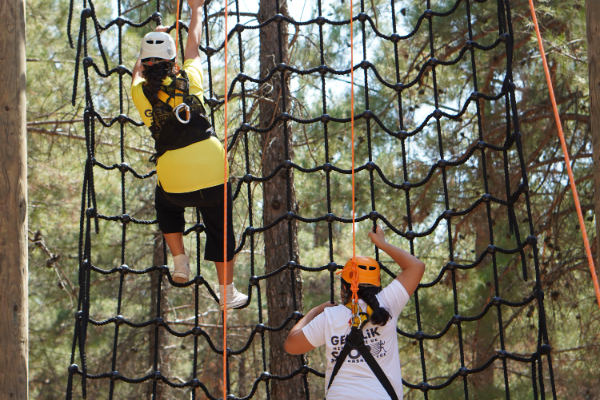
x: 354, y: 285
x: 565, y: 149
x: 177, y: 17
x: 226, y: 179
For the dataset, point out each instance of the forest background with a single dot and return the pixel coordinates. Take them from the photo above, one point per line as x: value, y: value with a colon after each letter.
x: 57, y: 156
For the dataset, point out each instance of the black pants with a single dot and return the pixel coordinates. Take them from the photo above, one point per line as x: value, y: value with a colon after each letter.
x: 170, y: 209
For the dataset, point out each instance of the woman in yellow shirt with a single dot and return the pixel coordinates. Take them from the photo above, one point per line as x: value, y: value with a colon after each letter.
x: 189, y: 158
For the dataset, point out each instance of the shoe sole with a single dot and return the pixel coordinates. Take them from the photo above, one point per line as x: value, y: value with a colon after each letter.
x: 180, y: 278
x: 234, y: 306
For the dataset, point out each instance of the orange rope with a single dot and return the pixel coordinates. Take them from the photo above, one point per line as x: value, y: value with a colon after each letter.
x: 563, y: 143
x: 354, y: 286
x: 177, y: 36
x: 226, y: 179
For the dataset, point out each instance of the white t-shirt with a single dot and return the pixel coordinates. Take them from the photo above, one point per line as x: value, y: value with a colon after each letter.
x: 355, y: 379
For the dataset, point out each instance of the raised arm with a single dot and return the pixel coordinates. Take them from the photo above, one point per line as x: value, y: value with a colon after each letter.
x: 194, y: 30
x: 412, y: 267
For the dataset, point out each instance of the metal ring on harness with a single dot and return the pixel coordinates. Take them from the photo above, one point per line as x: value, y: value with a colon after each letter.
x: 187, y: 113
x: 359, y: 319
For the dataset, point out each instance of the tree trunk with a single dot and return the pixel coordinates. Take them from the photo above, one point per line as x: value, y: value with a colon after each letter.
x: 284, y: 291
x: 157, y: 343
x: 13, y: 204
x: 485, y: 328
x: 483, y: 382
x: 592, y: 8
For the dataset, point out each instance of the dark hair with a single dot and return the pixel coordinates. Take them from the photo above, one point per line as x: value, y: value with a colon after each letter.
x: 155, y: 74
x: 367, y: 293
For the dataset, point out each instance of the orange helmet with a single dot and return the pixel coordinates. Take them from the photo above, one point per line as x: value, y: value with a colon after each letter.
x: 368, y: 271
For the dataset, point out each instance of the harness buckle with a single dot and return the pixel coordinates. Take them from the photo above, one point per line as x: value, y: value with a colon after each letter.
x: 187, y: 113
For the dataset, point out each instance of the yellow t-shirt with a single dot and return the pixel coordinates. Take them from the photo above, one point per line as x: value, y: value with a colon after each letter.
x: 194, y: 167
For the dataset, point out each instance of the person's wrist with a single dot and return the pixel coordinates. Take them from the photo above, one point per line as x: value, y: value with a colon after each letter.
x: 382, y: 245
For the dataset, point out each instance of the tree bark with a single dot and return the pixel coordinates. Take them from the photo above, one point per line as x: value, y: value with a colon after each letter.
x: 14, y: 309
x: 158, y: 344
x: 592, y: 8
x: 483, y: 382
x: 284, y: 291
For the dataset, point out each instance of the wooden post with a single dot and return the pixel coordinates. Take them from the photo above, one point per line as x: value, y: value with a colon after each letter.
x: 592, y: 8
x: 13, y: 204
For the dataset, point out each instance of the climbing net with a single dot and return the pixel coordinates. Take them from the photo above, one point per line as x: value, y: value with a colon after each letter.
x: 410, y: 118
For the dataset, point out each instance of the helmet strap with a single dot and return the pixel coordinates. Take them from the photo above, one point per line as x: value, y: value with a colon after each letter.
x: 148, y: 62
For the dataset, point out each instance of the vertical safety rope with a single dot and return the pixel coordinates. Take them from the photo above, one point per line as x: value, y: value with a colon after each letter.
x: 177, y: 15
x: 354, y: 285
x: 565, y: 150
x: 225, y: 216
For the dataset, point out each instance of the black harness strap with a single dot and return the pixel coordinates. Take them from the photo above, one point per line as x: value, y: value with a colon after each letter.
x: 355, y: 340
x: 168, y: 130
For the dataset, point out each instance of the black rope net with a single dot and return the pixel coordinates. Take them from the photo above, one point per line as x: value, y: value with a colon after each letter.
x: 439, y: 164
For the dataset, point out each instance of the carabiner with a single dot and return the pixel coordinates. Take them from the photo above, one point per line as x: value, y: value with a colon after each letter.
x: 356, y: 320
x: 187, y: 113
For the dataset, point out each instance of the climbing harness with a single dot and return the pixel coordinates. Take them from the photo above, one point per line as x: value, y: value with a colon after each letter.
x: 177, y: 125
x: 355, y: 341
x: 366, y: 271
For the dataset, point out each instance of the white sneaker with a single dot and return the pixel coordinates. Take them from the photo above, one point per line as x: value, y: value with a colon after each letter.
x: 235, y: 299
x: 181, y: 273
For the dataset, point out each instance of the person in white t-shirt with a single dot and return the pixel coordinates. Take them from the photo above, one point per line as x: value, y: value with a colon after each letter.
x: 329, y: 324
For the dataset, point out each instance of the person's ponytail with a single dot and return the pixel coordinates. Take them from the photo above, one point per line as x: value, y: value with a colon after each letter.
x: 154, y: 75
x: 367, y: 293
x: 380, y: 315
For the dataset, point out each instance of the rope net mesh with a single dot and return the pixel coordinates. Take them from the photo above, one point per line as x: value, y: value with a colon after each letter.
x: 419, y: 137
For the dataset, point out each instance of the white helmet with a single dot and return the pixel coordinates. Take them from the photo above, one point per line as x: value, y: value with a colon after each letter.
x: 158, y: 45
